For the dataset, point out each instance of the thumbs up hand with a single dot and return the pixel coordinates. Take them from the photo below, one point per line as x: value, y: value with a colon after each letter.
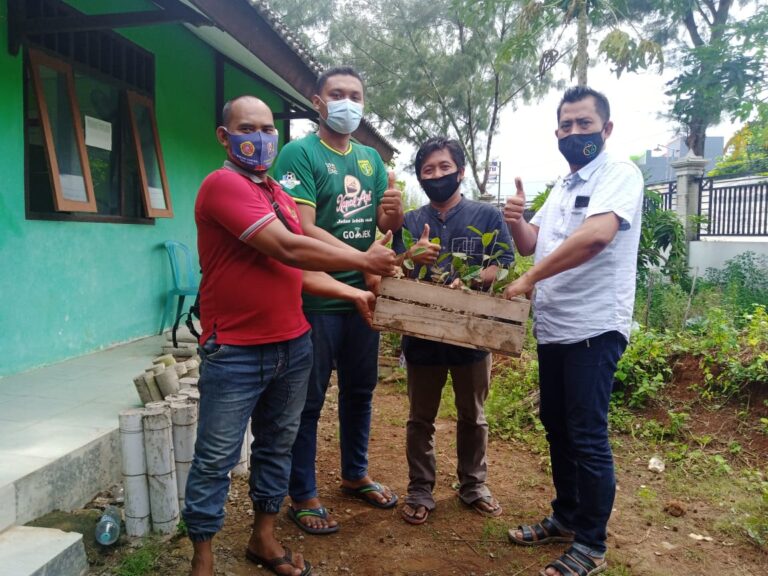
x: 513, y: 210
x: 392, y: 201
x: 380, y: 260
x: 424, y: 251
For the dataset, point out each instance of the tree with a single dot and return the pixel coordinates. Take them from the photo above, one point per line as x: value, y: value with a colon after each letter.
x: 747, y: 150
x: 722, y: 55
x: 622, y: 44
x: 719, y: 50
x: 444, y: 67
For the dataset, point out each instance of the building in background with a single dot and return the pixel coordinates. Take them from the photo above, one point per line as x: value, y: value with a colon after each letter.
x: 108, y: 112
x: 656, y: 164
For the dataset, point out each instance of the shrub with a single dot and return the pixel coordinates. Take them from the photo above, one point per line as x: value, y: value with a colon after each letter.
x: 644, y: 368
x: 743, y: 282
x: 731, y: 357
x: 663, y: 309
x: 510, y: 408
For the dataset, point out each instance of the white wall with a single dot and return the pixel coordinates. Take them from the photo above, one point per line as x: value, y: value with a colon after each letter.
x: 713, y: 253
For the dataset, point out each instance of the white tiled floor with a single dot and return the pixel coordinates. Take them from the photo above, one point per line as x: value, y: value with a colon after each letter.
x: 49, y: 412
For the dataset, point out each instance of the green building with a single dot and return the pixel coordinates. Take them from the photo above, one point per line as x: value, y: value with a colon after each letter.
x: 108, y: 112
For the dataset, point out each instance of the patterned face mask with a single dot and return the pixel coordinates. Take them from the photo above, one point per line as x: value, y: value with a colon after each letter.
x: 255, y: 151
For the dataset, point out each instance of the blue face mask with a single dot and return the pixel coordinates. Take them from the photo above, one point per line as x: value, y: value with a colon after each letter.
x: 255, y: 151
x: 344, y: 115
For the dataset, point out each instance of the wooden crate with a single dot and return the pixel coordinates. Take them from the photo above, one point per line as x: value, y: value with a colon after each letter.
x: 474, y: 320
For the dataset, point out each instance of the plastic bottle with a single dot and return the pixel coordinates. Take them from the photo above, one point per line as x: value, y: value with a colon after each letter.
x: 108, y: 527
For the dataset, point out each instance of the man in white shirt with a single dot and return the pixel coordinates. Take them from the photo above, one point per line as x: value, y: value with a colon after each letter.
x: 585, y: 240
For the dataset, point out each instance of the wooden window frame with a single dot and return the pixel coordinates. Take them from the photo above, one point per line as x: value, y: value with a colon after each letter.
x: 62, y: 204
x: 150, y: 211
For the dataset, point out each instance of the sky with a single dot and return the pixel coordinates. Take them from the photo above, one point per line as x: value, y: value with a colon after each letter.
x: 526, y: 145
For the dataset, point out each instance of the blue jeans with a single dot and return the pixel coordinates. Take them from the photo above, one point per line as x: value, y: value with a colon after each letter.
x: 267, y: 383
x: 345, y: 341
x: 576, y: 381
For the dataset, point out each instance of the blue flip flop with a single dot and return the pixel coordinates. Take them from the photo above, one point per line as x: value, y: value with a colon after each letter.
x: 297, y: 515
x: 363, y: 491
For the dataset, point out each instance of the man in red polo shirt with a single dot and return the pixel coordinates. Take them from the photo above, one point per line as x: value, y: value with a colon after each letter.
x: 255, y: 345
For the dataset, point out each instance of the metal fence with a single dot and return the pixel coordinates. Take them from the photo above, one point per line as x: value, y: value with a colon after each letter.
x: 733, y: 209
x: 667, y: 192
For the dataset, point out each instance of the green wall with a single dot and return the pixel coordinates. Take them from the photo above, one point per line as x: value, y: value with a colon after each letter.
x: 69, y: 288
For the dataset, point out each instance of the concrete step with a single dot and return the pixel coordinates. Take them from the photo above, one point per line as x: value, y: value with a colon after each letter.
x: 68, y: 482
x: 27, y: 551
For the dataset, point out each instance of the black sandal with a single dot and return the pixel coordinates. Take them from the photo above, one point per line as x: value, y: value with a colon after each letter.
x: 545, y: 532
x: 575, y: 563
x: 272, y: 564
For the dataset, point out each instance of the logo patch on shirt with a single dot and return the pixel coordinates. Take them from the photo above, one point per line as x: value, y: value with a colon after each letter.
x: 365, y: 167
x: 289, y: 181
x: 331, y: 167
x: 354, y: 199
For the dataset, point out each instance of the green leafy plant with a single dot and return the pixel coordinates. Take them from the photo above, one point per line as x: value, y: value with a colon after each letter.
x: 730, y: 357
x: 662, y: 241
x: 742, y: 282
x: 644, y: 368
x: 460, y: 267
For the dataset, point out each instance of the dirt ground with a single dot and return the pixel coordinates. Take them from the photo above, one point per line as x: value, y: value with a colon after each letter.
x: 643, y: 538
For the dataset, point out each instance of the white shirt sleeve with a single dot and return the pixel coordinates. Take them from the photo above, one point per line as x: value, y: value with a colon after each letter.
x: 619, y: 190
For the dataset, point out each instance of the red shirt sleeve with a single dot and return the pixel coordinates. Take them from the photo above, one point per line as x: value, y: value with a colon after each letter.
x: 236, y: 204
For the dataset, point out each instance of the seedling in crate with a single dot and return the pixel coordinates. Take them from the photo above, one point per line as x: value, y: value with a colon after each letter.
x: 460, y: 267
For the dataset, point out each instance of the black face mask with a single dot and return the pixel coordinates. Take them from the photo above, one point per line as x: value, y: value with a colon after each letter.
x: 440, y: 189
x: 581, y: 149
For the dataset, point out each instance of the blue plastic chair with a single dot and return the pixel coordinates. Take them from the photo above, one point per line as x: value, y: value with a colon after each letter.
x: 183, y: 284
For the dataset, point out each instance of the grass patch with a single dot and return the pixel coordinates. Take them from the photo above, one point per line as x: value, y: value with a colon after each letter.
x: 142, y: 561
x: 617, y: 570
x: 494, y: 530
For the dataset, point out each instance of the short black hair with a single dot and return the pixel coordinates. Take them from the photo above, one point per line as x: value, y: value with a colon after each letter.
x: 440, y: 143
x: 336, y: 71
x: 578, y: 93
x: 226, y: 111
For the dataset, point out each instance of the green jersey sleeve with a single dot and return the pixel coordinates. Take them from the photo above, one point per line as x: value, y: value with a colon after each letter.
x: 294, y: 172
x: 381, y: 177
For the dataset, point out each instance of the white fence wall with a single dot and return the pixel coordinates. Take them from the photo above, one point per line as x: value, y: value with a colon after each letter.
x: 713, y: 253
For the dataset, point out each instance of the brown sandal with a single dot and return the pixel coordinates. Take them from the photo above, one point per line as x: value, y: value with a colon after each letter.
x: 414, y: 519
x: 491, y: 502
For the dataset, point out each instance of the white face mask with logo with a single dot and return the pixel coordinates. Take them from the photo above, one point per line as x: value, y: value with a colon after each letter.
x: 344, y: 115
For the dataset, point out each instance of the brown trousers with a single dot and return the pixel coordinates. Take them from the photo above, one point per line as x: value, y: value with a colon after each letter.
x: 471, y: 383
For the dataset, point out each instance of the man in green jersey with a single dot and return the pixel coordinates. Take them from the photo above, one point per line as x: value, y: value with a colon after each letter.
x: 343, y: 194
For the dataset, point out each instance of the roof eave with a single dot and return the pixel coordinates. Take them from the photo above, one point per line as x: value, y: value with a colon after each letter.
x: 256, y: 27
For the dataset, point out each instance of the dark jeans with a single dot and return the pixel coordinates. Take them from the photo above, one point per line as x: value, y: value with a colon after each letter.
x: 267, y: 383
x: 345, y: 341
x: 576, y: 382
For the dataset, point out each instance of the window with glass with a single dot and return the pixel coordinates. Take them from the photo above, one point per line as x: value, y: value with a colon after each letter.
x: 92, y: 146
